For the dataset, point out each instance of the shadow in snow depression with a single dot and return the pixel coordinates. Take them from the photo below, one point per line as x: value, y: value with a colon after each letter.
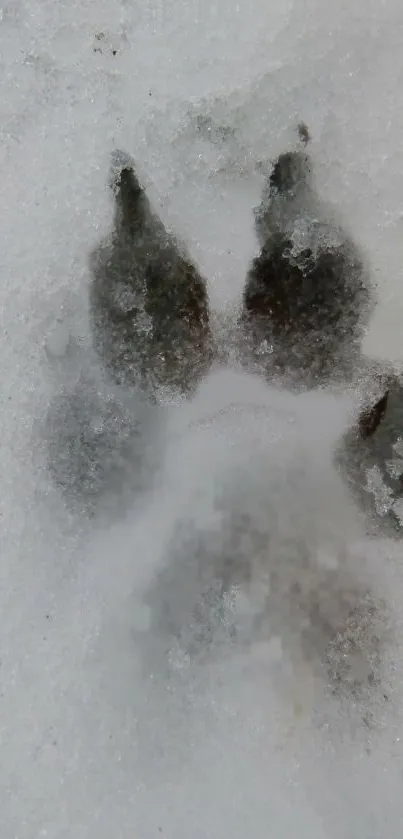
x: 262, y: 546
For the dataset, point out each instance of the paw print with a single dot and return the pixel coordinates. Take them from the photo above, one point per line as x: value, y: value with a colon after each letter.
x: 103, y: 45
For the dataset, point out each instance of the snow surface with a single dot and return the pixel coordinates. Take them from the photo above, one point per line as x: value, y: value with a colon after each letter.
x: 97, y: 740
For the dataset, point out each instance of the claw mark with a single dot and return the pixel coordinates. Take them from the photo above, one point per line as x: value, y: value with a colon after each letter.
x: 371, y: 418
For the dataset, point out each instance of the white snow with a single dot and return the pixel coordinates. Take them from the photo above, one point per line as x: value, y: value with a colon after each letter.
x: 96, y: 741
